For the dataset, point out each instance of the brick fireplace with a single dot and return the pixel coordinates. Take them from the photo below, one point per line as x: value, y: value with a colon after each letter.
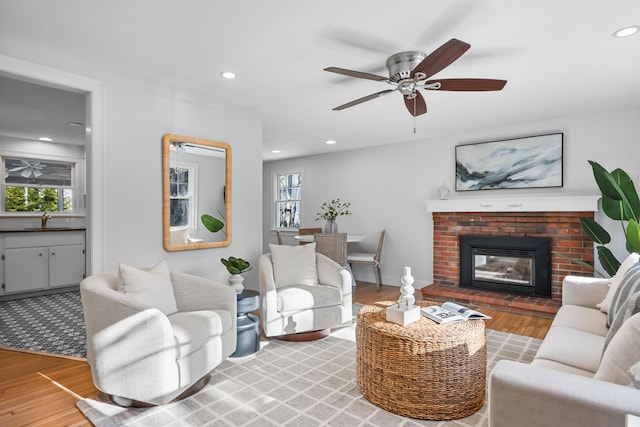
x: 556, y: 219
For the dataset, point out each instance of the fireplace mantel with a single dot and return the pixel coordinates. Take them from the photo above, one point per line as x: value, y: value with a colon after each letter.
x: 565, y: 203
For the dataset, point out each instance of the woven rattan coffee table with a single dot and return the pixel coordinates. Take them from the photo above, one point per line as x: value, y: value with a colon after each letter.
x: 423, y: 370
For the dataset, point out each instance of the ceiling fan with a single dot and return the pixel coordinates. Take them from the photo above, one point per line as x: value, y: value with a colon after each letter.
x: 409, y: 71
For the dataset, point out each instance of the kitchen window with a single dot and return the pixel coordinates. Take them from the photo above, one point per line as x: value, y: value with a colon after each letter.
x: 31, y: 185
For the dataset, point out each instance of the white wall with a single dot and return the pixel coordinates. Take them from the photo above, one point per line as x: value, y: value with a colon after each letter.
x: 137, y: 113
x: 388, y: 186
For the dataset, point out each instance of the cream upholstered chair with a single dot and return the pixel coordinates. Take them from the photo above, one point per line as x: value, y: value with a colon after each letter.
x: 302, y: 291
x: 160, y: 336
x: 372, y: 259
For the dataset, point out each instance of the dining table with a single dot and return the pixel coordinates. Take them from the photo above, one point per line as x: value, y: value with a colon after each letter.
x: 351, y: 238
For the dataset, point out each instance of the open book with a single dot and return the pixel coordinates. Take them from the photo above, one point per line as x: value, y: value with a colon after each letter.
x: 451, y: 312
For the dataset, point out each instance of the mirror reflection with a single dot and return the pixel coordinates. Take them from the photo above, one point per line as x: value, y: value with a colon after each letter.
x: 197, y: 193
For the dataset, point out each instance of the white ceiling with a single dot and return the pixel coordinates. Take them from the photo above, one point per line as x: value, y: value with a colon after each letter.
x: 558, y: 56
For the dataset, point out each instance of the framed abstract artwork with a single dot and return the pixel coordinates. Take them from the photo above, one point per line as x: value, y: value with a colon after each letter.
x: 529, y: 162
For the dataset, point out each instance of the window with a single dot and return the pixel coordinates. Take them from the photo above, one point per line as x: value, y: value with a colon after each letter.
x: 181, y: 196
x: 38, y: 185
x: 288, y: 198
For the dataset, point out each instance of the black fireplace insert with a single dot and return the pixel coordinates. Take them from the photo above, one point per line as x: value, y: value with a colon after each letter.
x: 515, y: 265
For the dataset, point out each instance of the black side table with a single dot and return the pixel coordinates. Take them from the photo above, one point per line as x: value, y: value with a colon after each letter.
x: 248, y: 325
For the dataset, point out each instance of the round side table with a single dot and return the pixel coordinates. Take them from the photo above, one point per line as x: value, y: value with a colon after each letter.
x: 424, y: 370
x: 248, y: 325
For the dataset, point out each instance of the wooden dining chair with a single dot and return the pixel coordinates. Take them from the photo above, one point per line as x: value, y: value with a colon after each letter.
x: 372, y: 259
x: 308, y: 231
x: 333, y: 245
x: 279, y: 237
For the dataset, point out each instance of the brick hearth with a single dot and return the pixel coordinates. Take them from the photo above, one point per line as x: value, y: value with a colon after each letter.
x: 562, y: 227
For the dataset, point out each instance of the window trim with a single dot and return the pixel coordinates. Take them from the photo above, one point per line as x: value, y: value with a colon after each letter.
x: 193, y: 191
x: 75, y: 182
x: 275, y: 200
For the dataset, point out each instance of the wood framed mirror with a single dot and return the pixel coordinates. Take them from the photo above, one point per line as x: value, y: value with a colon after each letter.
x: 196, y: 181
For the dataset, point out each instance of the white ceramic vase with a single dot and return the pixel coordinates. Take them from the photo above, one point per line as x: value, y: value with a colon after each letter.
x: 235, y: 281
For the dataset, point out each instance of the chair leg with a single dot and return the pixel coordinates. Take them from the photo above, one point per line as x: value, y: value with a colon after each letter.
x: 376, y: 269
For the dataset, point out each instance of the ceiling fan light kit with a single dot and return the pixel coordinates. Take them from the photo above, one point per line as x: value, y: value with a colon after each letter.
x: 409, y: 71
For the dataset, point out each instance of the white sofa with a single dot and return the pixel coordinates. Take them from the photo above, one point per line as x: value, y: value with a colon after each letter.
x: 570, y: 381
x: 141, y: 355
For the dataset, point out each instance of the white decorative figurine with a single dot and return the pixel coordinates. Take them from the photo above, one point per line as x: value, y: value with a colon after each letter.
x: 405, y: 311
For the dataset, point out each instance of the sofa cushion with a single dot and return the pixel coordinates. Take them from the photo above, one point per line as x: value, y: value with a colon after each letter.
x: 294, y: 265
x: 192, y: 329
x: 152, y: 287
x: 556, y: 366
x: 572, y: 347
x: 622, y: 352
x: 295, y: 298
x: 629, y: 284
x: 581, y: 318
x: 632, y: 259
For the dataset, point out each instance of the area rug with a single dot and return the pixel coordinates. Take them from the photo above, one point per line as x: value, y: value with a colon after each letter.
x: 298, y: 384
x: 48, y: 324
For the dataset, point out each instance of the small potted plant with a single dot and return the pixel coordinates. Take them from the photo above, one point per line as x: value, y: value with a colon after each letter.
x: 236, y: 266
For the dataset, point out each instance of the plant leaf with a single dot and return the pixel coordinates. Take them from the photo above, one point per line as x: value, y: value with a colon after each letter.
x: 617, y: 185
x: 633, y: 236
x: 212, y: 224
x: 594, y: 231
x: 608, y: 260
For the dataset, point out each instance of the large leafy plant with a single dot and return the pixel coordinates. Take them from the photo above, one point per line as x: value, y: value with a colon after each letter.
x: 620, y: 202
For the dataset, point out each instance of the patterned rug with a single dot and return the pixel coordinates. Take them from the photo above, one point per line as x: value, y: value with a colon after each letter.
x: 298, y: 384
x: 48, y: 324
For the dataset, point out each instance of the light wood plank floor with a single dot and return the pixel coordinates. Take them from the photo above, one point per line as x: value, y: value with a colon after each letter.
x: 41, y: 390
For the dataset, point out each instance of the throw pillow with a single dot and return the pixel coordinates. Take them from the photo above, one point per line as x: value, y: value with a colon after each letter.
x: 621, y: 354
x: 152, y: 287
x: 630, y: 308
x: 294, y: 265
x: 605, y: 305
x: 629, y: 284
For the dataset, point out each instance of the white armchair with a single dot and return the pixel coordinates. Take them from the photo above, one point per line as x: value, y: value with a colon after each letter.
x: 293, y: 304
x: 139, y: 355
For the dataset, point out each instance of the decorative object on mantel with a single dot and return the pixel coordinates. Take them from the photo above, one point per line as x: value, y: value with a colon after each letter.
x: 529, y: 162
x: 443, y: 191
x: 567, y: 202
x: 620, y: 202
x: 405, y: 311
x: 329, y: 211
x: 236, y: 266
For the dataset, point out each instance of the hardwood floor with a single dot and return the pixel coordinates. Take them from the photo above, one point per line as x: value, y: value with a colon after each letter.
x: 41, y: 390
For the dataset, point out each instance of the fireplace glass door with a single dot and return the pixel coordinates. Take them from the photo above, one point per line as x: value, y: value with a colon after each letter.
x: 503, y: 269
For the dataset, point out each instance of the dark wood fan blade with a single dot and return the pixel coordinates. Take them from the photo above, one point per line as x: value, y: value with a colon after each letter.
x: 364, y: 99
x: 442, y: 57
x: 358, y: 74
x: 416, y: 106
x: 471, y: 85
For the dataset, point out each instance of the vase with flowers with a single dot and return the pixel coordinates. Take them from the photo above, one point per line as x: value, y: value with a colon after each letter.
x: 329, y: 211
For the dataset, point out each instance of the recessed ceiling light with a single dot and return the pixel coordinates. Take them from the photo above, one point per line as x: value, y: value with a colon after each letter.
x: 276, y: 151
x: 45, y: 139
x: 228, y: 74
x: 330, y: 142
x: 626, y: 31
x: 76, y: 124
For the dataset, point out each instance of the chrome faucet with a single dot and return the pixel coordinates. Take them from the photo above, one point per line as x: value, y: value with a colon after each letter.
x: 43, y: 220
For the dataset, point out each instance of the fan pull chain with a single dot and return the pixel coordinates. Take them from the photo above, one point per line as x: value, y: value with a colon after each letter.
x: 414, y: 115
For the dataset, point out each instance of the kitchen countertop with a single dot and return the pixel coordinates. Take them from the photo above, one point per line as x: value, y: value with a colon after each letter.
x: 40, y: 230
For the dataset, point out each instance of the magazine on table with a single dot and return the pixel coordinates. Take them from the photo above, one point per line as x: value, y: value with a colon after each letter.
x: 451, y: 312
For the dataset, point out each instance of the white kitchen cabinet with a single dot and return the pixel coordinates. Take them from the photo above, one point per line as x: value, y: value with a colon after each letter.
x: 40, y: 261
x: 25, y: 269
